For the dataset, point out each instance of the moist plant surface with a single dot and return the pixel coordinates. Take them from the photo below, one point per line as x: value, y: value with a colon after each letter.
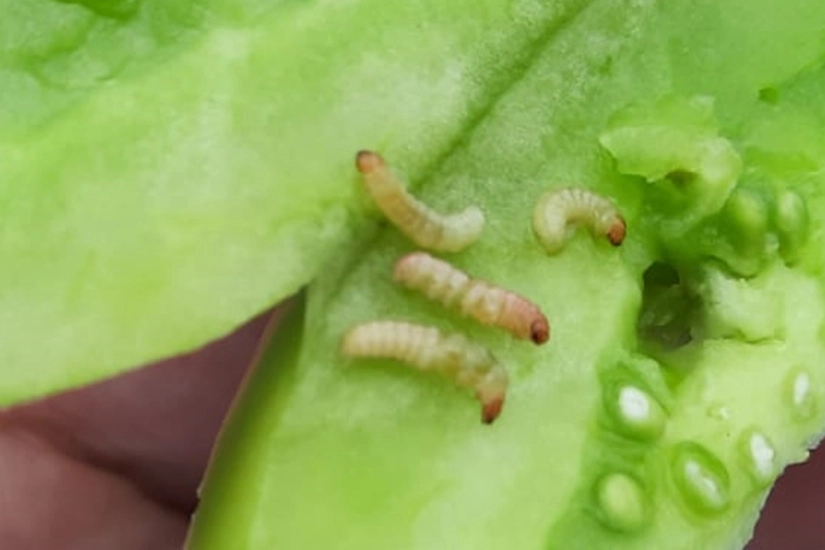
x: 172, y: 168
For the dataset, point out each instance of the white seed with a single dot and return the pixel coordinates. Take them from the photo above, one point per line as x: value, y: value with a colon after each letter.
x: 704, y: 484
x: 763, y: 456
x: 634, y: 404
x: 801, y: 387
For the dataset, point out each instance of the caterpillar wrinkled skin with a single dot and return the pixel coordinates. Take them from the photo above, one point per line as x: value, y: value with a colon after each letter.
x: 427, y: 228
x: 480, y: 300
x: 557, y: 211
x: 468, y: 364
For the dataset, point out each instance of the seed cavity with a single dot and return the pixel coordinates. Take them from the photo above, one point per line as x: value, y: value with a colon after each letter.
x: 759, y: 456
x: 669, y: 309
x: 622, y: 502
x: 479, y: 300
x: 792, y: 223
x: 746, y: 218
x: 701, y: 478
x: 424, y: 226
x: 559, y: 211
x: 800, y: 395
x: 636, y: 413
x: 761, y: 221
x: 426, y: 348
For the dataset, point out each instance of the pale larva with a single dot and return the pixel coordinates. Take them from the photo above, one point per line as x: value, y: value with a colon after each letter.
x: 468, y: 364
x: 429, y: 229
x: 484, y: 302
x: 558, y: 210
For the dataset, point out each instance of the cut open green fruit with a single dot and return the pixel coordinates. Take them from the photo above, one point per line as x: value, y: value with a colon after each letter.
x: 172, y: 167
x: 685, y: 368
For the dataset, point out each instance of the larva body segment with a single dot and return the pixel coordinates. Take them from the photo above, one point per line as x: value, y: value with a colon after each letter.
x: 427, y: 228
x: 480, y: 300
x: 557, y: 211
x: 426, y: 348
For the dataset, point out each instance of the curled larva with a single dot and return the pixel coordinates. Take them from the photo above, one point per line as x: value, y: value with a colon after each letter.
x: 486, y: 303
x: 468, y: 364
x: 558, y: 210
x: 427, y: 228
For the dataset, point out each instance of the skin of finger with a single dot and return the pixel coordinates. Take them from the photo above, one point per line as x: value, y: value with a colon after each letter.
x: 794, y: 516
x: 156, y: 425
x: 49, y: 500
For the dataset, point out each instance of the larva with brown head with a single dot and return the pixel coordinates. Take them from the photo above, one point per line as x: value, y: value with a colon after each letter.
x: 427, y: 228
x: 480, y: 300
x: 557, y: 211
x: 468, y: 364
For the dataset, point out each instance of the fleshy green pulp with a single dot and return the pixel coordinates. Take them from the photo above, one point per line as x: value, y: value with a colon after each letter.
x: 684, y: 369
x: 170, y: 168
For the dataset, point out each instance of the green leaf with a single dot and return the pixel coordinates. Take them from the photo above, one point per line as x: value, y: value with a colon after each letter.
x: 170, y: 168
x: 716, y: 328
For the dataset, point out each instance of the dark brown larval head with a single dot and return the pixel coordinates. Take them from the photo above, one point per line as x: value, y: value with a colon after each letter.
x: 617, y: 232
x: 540, y: 331
x: 367, y: 161
x: 491, y: 409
